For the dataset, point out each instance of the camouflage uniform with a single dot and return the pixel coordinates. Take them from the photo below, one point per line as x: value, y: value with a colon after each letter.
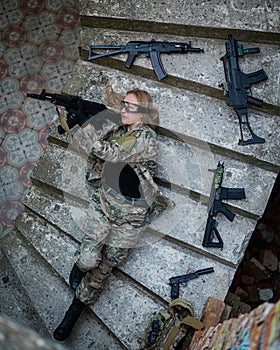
x: 115, y: 223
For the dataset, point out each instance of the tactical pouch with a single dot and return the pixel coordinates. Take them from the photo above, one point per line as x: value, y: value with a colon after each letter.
x: 172, y: 328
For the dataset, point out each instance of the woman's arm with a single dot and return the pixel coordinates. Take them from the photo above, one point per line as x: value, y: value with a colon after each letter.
x: 138, y: 145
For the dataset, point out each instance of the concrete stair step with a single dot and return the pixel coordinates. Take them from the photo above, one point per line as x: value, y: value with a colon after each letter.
x: 209, y: 18
x: 152, y: 260
x: 194, y: 116
x: 153, y: 266
x: 51, y: 296
x: 62, y: 212
x: 185, y: 223
x: 15, y: 301
x: 202, y: 68
x: 112, y: 307
x: 15, y: 336
x: 64, y: 171
x: 185, y: 166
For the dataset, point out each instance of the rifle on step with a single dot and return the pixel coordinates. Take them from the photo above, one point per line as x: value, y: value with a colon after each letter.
x: 151, y: 49
x: 238, y: 84
x: 218, y: 194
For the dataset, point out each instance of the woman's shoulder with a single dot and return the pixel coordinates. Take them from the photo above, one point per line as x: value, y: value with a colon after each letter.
x: 145, y: 131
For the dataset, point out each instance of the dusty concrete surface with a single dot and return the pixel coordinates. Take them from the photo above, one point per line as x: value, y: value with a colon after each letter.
x: 197, y: 129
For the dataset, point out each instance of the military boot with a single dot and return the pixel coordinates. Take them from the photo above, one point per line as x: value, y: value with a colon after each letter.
x: 63, y: 331
x: 76, y: 276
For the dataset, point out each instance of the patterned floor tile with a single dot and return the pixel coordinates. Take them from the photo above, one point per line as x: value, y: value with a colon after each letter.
x: 38, y: 50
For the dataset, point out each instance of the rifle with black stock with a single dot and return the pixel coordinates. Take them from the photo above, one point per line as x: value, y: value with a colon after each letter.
x: 152, y: 49
x: 218, y: 194
x: 79, y: 110
x: 237, y: 86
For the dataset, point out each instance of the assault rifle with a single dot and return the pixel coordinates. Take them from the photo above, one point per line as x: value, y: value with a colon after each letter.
x: 218, y: 194
x: 151, y: 49
x: 237, y: 85
x: 175, y: 281
x: 79, y: 110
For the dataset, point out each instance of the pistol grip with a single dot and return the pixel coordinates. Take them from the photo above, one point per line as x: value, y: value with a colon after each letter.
x: 130, y: 59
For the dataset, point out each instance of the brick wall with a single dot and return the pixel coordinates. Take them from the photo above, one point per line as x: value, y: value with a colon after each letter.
x: 259, y: 329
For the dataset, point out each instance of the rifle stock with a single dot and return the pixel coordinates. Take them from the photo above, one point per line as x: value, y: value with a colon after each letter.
x: 243, y: 123
x: 211, y: 232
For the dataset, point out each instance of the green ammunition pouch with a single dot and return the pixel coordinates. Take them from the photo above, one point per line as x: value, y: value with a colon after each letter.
x: 172, y: 328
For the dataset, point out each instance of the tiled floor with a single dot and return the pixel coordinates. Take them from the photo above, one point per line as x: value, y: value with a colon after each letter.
x: 38, y: 49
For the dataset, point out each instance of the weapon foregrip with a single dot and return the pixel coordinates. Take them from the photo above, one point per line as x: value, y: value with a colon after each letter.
x: 255, y: 101
x: 251, y: 50
x: 218, y: 207
x: 230, y: 216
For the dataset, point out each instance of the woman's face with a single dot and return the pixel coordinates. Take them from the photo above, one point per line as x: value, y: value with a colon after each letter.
x: 129, y: 113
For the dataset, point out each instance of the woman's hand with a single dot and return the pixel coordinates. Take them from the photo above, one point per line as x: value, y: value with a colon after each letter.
x: 87, y: 127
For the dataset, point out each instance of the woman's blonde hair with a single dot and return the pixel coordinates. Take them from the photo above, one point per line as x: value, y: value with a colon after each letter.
x: 113, y: 99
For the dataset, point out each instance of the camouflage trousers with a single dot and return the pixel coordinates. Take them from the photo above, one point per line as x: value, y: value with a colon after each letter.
x: 113, y: 226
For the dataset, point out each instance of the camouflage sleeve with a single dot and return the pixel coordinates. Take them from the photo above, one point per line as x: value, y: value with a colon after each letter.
x: 86, y: 138
x: 137, y: 146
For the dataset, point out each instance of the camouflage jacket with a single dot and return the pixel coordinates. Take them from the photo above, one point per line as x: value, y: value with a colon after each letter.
x: 137, y: 147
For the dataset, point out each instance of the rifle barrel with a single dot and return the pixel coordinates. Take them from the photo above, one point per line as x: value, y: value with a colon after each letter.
x: 105, y: 47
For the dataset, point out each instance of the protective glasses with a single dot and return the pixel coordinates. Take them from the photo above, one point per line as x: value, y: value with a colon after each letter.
x: 133, y: 108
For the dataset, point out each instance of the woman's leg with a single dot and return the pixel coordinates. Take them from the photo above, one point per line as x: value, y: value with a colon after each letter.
x: 114, y: 252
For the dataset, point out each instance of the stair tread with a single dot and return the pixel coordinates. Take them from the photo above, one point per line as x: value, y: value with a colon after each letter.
x: 146, y: 264
x: 186, y: 222
x: 51, y: 297
x: 203, y: 68
x: 15, y: 302
x: 185, y: 166
x: 214, y: 15
x: 115, y: 315
x: 203, y: 118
